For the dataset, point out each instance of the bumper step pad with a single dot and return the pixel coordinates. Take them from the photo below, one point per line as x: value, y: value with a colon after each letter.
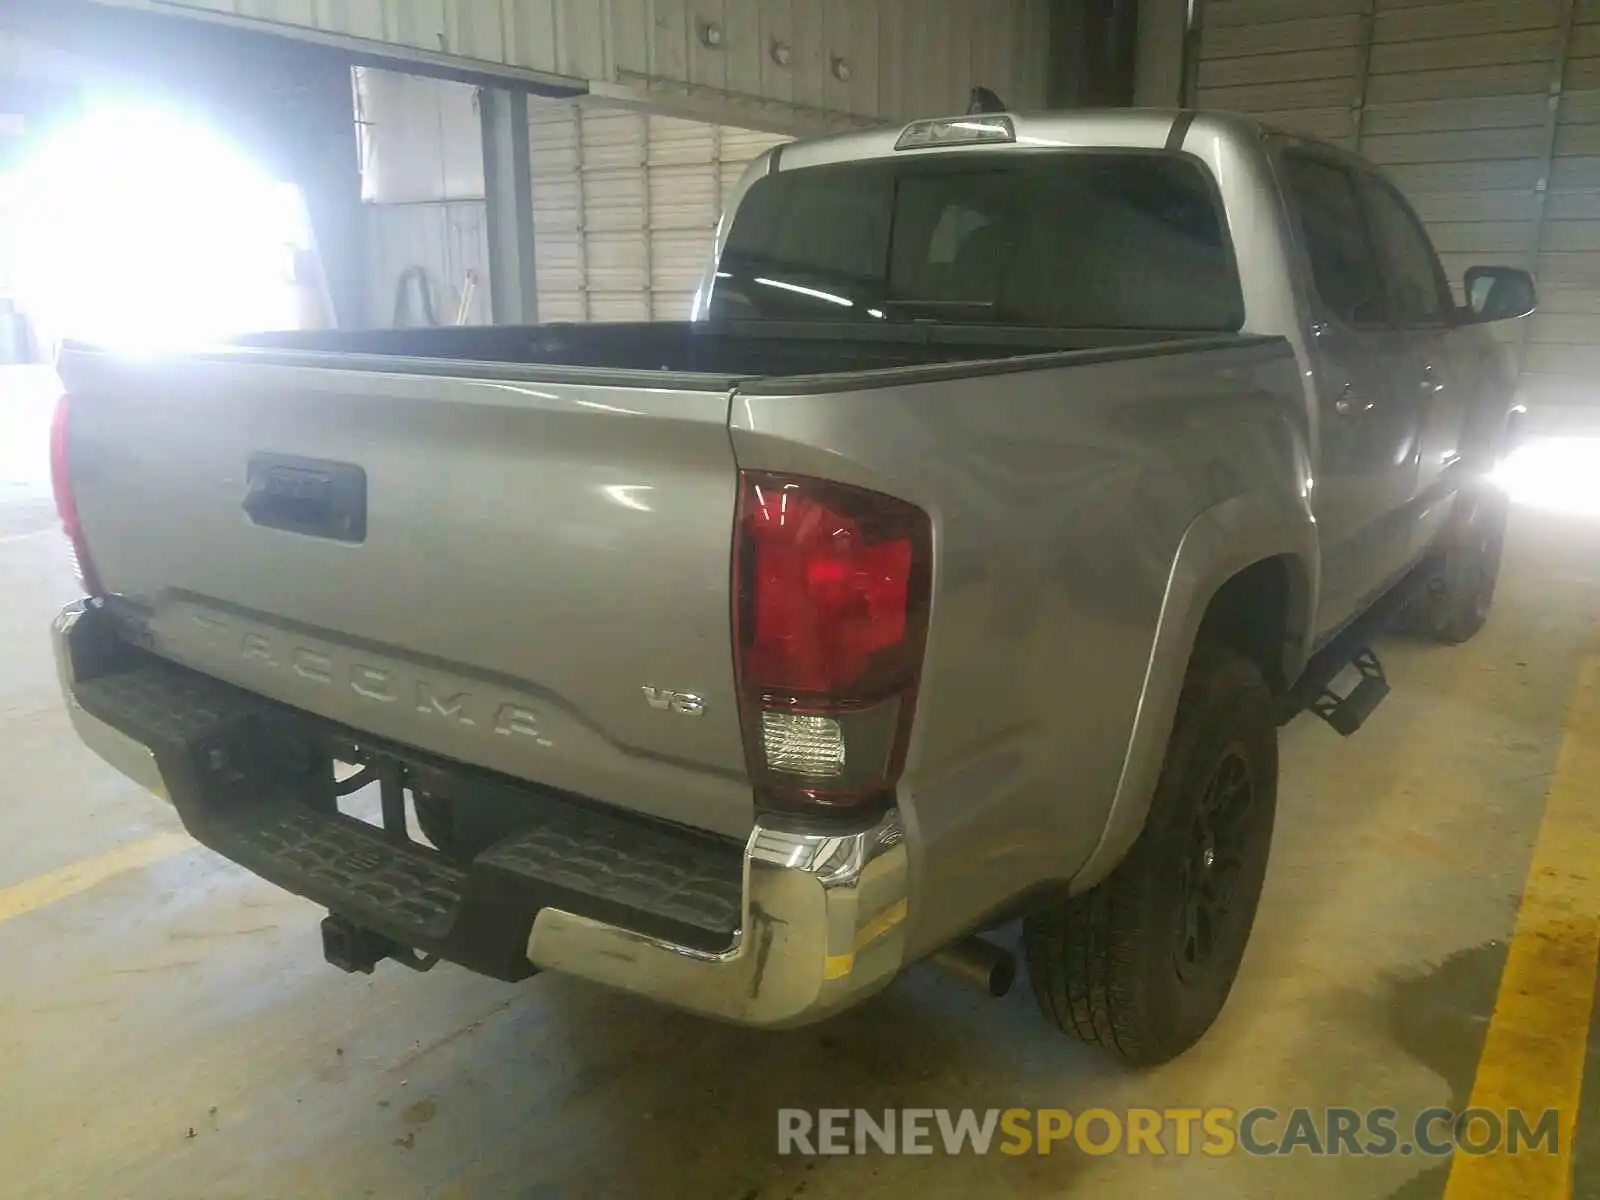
x: 251, y: 780
x: 348, y: 861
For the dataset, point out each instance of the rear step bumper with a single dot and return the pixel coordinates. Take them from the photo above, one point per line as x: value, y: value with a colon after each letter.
x: 798, y: 926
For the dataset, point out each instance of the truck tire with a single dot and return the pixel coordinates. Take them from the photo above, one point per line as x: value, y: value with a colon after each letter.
x: 1460, y: 587
x: 1142, y: 963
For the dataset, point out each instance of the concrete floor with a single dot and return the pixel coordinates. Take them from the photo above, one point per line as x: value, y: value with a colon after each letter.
x: 172, y: 1031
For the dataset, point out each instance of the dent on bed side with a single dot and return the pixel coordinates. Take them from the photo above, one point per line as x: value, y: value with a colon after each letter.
x: 1227, y: 539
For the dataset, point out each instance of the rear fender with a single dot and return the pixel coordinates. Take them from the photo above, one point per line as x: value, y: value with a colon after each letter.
x: 1218, y: 544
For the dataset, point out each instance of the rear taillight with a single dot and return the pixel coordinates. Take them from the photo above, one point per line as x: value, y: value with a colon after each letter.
x: 66, y: 502
x: 831, y: 591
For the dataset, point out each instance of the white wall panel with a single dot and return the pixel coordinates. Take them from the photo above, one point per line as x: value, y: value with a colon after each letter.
x: 355, y: 18
x: 667, y: 30
x: 1232, y: 14
x: 856, y: 59
x: 1432, y: 116
x: 809, y: 51
x: 625, y: 202
x: 1563, y: 338
x: 1280, y: 37
x: 420, y: 139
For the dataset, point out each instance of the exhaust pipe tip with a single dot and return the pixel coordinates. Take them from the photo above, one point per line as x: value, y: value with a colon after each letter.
x: 978, y: 963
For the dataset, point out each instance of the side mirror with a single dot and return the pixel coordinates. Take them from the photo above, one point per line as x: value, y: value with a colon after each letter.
x: 1500, y: 294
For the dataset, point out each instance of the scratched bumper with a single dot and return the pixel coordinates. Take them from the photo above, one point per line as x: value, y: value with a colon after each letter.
x: 799, y: 926
x: 823, y: 926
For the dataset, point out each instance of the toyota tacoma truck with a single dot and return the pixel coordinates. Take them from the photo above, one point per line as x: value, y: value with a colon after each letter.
x: 1015, y: 479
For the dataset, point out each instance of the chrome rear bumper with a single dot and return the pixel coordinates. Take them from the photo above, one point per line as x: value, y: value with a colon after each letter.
x: 824, y: 925
x: 132, y: 758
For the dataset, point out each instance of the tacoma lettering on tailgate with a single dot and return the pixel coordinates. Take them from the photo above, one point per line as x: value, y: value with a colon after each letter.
x: 280, y: 652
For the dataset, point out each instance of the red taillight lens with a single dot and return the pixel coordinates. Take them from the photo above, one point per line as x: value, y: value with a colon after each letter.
x: 66, y: 503
x: 832, y: 591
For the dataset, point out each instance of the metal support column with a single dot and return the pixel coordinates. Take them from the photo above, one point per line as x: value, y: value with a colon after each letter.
x: 1163, y: 32
x: 1193, y: 51
x: 581, y: 173
x: 1358, y: 104
x: 1547, y: 154
x: 508, y: 190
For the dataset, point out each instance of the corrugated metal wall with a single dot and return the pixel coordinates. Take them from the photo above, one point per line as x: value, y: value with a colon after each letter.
x: 625, y: 203
x: 1485, y: 112
x: 625, y: 206
x: 1564, y: 356
x: 796, y: 58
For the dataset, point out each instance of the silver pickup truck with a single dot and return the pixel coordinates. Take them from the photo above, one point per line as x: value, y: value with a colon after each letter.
x: 1017, y: 478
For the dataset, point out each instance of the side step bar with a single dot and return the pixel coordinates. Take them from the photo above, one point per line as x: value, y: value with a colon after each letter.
x: 1347, y: 710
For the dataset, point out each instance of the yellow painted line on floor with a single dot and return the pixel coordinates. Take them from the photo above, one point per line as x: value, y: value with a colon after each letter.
x: 1534, y: 1051
x: 33, y: 894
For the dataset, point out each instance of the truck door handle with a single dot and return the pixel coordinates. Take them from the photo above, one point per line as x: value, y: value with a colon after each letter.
x: 308, y: 496
x: 1346, y: 400
x: 1430, y: 380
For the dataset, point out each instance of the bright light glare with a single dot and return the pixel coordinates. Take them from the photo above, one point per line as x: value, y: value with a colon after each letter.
x: 141, y: 229
x: 1559, y: 474
x: 804, y: 291
x: 627, y: 495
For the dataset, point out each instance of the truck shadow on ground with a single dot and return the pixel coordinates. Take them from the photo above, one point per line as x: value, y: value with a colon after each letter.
x: 643, y: 1102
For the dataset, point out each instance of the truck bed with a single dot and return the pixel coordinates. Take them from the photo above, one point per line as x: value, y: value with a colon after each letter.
x: 729, y: 351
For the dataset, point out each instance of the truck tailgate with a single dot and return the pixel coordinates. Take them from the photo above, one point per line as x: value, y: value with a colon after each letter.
x: 528, y: 577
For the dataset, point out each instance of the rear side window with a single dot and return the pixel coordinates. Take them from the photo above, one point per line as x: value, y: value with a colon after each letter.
x: 1418, y: 293
x: 1070, y: 239
x: 1343, y: 266
x: 830, y: 225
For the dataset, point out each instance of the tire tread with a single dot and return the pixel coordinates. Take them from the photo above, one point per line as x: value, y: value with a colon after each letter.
x: 1084, y: 954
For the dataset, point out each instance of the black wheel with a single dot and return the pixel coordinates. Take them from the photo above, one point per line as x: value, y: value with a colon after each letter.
x: 1143, y: 963
x: 1460, y: 586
